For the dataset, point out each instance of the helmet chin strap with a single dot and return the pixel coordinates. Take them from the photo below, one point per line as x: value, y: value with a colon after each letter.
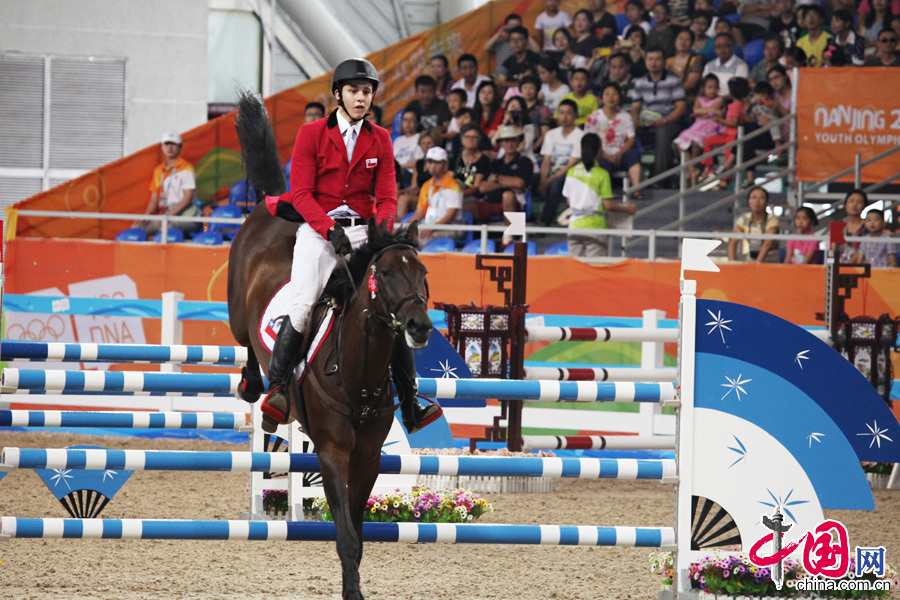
x: 347, y: 112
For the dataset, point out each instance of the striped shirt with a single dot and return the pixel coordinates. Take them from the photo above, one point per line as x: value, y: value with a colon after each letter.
x: 658, y: 96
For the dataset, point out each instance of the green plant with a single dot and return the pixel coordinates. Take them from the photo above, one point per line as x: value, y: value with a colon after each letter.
x: 422, y: 505
x: 878, y: 468
x: 275, y: 501
x: 663, y: 563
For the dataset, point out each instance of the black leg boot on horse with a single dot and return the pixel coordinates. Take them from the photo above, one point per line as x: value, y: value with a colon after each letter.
x: 403, y: 369
x: 285, y: 356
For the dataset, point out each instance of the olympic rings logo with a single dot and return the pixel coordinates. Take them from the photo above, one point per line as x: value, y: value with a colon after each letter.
x: 38, y: 329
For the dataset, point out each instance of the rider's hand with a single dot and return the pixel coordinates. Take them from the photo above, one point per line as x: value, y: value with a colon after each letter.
x: 339, y: 240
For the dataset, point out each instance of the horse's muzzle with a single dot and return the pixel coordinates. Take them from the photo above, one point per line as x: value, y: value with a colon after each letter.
x: 417, y: 332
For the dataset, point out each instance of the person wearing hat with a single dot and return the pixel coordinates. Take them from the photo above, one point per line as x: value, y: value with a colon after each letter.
x: 440, y: 199
x: 172, y: 188
x: 507, y: 179
x: 342, y: 174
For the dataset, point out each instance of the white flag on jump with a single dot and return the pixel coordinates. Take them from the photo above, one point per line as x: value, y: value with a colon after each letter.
x: 695, y: 255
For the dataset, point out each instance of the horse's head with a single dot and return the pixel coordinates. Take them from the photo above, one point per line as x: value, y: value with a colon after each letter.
x: 396, y: 285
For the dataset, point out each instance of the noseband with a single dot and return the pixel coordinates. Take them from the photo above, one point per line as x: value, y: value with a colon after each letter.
x: 375, y: 283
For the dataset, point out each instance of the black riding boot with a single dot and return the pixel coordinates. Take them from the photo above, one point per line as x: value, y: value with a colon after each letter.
x: 285, y: 356
x: 403, y: 368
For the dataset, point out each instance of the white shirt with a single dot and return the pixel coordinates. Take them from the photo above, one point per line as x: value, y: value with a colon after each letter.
x: 548, y: 25
x: 735, y: 67
x: 552, y: 98
x: 470, y: 93
x: 349, y: 139
x: 561, y: 148
x: 407, y: 149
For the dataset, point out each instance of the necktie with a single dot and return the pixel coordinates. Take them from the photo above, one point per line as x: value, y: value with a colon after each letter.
x: 351, y: 142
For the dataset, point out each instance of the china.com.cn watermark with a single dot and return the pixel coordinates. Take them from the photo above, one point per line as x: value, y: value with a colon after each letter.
x: 826, y: 557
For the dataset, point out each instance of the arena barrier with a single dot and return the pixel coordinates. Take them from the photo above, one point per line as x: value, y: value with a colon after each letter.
x: 598, y: 442
x: 599, y: 334
x: 117, y: 353
x: 281, y: 462
x: 601, y: 374
x: 126, y: 420
x: 448, y: 533
x: 125, y: 382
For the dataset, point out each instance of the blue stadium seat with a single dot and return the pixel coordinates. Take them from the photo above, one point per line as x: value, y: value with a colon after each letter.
x: 228, y: 211
x: 467, y: 219
x: 558, y: 249
x: 243, y: 195
x: 532, y: 248
x: 395, y: 125
x: 622, y: 23
x: 474, y: 247
x: 287, y: 176
x: 439, y: 245
x: 753, y: 52
x: 407, y: 217
x: 133, y: 234
x: 174, y: 236
x: 733, y: 17
x: 208, y: 238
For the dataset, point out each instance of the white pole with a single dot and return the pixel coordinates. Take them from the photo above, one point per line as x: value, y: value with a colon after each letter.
x: 685, y: 433
x: 651, y: 357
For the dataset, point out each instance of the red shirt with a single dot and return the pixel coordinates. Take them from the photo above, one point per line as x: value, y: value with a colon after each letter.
x: 322, y: 178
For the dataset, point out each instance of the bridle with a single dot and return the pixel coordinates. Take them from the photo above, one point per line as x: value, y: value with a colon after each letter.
x: 389, y: 318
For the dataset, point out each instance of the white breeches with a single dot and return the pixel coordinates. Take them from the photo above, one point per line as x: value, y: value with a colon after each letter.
x: 314, y: 260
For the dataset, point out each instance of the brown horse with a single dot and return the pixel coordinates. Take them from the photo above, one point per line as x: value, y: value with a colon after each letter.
x: 346, y: 406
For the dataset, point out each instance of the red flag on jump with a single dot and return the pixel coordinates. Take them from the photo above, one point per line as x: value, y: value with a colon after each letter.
x: 836, y: 233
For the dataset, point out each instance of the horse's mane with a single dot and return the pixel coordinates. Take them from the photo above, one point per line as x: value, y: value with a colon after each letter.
x: 340, y: 286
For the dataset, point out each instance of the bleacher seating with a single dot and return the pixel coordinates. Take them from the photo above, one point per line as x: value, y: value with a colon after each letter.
x: 531, y: 251
x: 474, y: 247
x: 208, y: 238
x: 132, y: 234
x: 174, y: 236
x: 243, y: 195
x: 557, y: 249
x: 753, y: 52
x: 228, y: 211
x: 438, y: 245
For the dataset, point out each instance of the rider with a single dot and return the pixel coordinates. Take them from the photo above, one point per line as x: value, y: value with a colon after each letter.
x: 337, y: 165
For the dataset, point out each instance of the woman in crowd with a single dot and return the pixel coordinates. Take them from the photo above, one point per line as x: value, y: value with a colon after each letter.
x: 877, y: 17
x: 566, y: 58
x: 636, y: 46
x: 757, y: 220
x: 605, y: 27
x: 703, y: 43
x: 472, y: 163
x: 615, y: 129
x: 584, y: 43
x: 488, y: 113
x: 637, y: 15
x: 515, y: 113
x: 781, y: 84
x: 855, y: 203
x: 686, y: 64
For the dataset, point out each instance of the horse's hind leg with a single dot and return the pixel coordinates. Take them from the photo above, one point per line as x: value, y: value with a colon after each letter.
x: 251, y: 384
x: 363, y: 473
x: 335, y: 463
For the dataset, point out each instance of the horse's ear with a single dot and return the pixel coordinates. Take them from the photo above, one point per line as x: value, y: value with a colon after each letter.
x: 375, y: 232
x: 412, y: 232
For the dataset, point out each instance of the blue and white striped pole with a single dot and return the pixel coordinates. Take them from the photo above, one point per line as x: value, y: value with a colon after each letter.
x: 41, y: 381
x: 281, y: 462
x: 122, y: 420
x: 116, y: 353
x: 450, y: 533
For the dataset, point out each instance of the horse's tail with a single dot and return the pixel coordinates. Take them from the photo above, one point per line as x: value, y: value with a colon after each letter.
x: 258, y: 146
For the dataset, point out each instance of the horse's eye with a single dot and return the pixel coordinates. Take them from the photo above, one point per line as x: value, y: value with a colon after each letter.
x: 387, y: 274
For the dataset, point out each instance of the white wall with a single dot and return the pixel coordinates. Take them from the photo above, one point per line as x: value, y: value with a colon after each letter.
x: 163, y: 42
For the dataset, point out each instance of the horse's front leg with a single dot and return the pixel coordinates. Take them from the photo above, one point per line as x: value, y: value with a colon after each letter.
x: 335, y: 464
x: 251, y: 384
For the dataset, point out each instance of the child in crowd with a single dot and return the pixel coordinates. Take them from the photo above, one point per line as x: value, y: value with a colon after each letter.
x: 739, y: 89
x: 758, y: 220
x: 456, y: 100
x: 762, y: 110
x: 588, y: 191
x: 586, y: 101
x: 707, y: 106
x: 454, y: 144
x: 875, y: 253
x: 803, y: 252
x: 636, y: 15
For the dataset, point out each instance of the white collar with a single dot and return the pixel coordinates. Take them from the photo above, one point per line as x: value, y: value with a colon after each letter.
x: 344, y: 124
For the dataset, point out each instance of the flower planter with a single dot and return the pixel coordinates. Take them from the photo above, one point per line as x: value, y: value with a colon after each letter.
x: 878, y: 481
x: 488, y: 485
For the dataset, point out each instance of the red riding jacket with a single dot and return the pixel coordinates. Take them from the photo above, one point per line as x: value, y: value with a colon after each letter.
x: 322, y: 179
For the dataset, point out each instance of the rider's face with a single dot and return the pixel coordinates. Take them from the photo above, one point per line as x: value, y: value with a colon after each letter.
x: 357, y: 98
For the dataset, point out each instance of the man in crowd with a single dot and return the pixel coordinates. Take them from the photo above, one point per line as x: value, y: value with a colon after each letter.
x: 522, y: 58
x: 507, y: 178
x: 726, y: 64
x: 887, y: 50
x: 432, y: 111
x: 469, y: 79
x: 658, y: 103
x: 561, y: 150
x: 313, y: 112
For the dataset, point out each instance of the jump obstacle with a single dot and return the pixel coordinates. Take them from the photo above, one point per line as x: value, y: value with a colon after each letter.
x: 126, y: 420
x: 721, y: 413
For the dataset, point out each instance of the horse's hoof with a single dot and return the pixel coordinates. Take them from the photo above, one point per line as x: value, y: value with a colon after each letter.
x: 354, y: 595
x: 245, y: 390
x: 269, y: 425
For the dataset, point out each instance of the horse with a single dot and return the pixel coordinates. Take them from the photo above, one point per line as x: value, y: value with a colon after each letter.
x: 379, y: 298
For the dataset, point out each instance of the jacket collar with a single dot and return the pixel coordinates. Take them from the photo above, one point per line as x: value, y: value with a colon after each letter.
x: 332, y: 121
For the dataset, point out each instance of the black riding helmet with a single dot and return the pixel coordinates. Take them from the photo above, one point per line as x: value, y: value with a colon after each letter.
x: 354, y: 69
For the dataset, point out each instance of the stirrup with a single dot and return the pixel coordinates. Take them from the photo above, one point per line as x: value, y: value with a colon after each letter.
x: 425, y: 416
x: 275, y: 409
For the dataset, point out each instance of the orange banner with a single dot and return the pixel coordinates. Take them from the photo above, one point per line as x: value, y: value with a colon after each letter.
x: 842, y: 112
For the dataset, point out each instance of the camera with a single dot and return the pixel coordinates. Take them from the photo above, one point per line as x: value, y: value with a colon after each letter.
x: 515, y: 117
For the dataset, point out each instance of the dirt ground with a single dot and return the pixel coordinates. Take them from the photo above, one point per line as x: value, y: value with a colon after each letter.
x: 214, y: 570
